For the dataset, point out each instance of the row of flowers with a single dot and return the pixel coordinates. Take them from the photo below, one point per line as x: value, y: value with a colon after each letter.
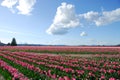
x: 58, y: 60
x: 32, y: 67
x: 98, y: 68
x: 112, y: 67
x: 13, y: 71
x: 61, y: 49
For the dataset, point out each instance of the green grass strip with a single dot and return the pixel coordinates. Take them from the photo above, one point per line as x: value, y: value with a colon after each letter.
x: 5, y: 74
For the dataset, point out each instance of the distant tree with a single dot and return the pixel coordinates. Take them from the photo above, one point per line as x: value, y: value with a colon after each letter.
x: 13, y: 43
x: 8, y: 44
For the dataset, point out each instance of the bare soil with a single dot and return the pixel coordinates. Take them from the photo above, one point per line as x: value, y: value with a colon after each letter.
x: 81, y: 55
x: 1, y: 77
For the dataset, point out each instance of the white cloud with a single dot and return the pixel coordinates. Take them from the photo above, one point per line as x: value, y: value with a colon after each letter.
x: 8, y: 31
x: 17, y: 33
x: 64, y: 19
x: 97, y: 42
x: 104, y: 18
x: 90, y: 16
x: 23, y: 6
x: 9, y: 3
x: 108, y: 17
x: 83, y: 34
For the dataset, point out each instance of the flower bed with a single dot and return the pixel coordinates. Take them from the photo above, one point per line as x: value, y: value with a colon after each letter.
x: 33, y: 66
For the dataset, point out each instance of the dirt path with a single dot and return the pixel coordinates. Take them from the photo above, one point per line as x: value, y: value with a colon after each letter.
x: 94, y: 55
x: 75, y: 55
x: 81, y: 55
x: 1, y: 77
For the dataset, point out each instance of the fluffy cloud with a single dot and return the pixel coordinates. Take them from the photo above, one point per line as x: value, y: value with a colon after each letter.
x: 104, y: 18
x: 64, y: 20
x: 97, y: 42
x: 90, y: 16
x: 9, y: 3
x: 23, y: 6
x: 108, y: 17
x: 83, y: 34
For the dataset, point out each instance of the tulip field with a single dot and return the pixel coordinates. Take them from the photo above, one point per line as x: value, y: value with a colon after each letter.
x: 59, y: 63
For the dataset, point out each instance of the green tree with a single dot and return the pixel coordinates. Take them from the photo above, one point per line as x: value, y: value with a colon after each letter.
x: 13, y: 43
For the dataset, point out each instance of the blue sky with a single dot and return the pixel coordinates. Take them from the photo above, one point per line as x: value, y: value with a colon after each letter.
x: 69, y: 22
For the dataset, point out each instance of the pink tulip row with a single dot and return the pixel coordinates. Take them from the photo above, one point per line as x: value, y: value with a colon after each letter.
x: 13, y: 71
x: 32, y: 67
x: 67, y: 70
x: 64, y: 48
x: 24, y: 64
x: 85, y: 64
x: 62, y: 68
x: 72, y: 62
x: 69, y: 62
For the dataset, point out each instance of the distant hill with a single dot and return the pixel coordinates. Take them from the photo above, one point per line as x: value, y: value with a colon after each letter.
x: 2, y: 44
x: 30, y: 45
x: 38, y: 45
x: 118, y: 45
